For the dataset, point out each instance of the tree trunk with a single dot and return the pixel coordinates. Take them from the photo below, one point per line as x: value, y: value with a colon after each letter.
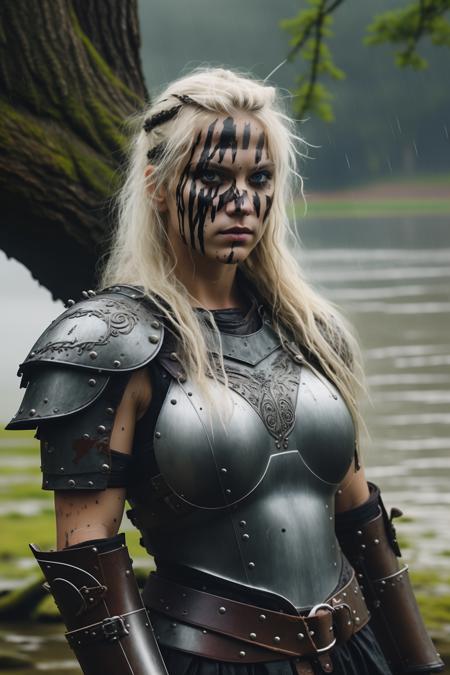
x: 70, y: 74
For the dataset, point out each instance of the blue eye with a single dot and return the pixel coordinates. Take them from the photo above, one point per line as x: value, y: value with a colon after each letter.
x: 260, y: 178
x: 209, y: 177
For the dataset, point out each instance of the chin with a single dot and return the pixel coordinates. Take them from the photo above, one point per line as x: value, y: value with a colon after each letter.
x: 232, y: 256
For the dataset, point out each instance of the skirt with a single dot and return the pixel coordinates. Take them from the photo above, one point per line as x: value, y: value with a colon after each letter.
x: 361, y: 655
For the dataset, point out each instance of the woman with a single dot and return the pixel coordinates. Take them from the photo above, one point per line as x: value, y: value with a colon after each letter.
x: 211, y: 387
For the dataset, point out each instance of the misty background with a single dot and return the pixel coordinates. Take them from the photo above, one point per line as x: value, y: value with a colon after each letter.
x: 389, y: 123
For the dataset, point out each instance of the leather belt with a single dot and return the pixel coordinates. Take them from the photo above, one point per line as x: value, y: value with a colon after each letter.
x: 243, y: 632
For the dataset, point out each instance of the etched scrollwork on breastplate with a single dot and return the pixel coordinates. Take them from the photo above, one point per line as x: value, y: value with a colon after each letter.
x: 272, y: 393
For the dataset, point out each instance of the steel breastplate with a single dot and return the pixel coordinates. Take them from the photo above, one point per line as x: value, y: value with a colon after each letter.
x: 257, y: 487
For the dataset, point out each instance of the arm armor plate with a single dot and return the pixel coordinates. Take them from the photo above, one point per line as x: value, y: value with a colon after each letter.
x: 96, y: 592
x: 371, y: 546
x: 75, y: 376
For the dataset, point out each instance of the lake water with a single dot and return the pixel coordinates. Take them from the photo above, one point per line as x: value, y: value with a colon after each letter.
x: 392, y: 279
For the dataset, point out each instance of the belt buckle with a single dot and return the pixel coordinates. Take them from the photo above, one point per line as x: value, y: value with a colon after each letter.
x: 313, y: 612
x: 113, y: 628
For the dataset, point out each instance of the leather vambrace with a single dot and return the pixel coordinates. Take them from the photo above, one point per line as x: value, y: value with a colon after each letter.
x: 368, y: 539
x: 96, y: 592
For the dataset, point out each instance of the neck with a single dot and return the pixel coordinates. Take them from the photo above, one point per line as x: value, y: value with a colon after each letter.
x: 212, y: 284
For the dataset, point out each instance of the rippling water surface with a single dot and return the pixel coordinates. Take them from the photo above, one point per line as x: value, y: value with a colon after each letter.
x: 398, y: 298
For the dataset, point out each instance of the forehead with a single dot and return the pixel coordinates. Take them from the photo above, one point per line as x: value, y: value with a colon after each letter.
x: 229, y: 138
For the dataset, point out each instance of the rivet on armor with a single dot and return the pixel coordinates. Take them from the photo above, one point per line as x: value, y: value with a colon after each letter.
x: 93, y: 355
x: 157, y: 434
x: 154, y: 339
x: 204, y: 631
x: 252, y: 636
x: 344, y: 594
x: 116, y: 364
x: 61, y: 468
x: 56, y: 410
x: 173, y: 401
x: 94, y: 550
x: 70, y: 302
x: 173, y: 624
x: 155, y: 324
x: 363, y: 546
x: 245, y: 536
x: 277, y: 638
x: 32, y: 411
x: 357, y: 619
x: 101, y: 429
x: 252, y: 565
x: 127, y: 573
x: 311, y: 632
x: 222, y: 610
x: 242, y: 523
x: 376, y: 541
x: 262, y: 617
x: 359, y: 533
x: 45, y: 400
x: 339, y: 491
x: 71, y: 483
x: 228, y: 491
x: 189, y: 393
x: 110, y: 411
x: 242, y: 654
x: 300, y: 636
x: 90, y: 483
x: 223, y: 470
x: 174, y: 356
x: 92, y: 382
x: 91, y: 292
x: 105, y: 467
x: 85, y: 294
x: 86, y: 436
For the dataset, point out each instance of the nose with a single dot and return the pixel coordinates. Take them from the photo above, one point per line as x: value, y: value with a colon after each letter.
x: 239, y: 203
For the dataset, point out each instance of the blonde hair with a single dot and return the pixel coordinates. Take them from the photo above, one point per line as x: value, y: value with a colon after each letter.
x: 140, y: 253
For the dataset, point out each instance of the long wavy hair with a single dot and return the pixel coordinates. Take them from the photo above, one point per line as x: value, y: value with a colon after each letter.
x: 141, y: 255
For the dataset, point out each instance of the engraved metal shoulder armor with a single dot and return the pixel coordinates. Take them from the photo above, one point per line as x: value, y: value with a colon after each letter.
x: 75, y: 376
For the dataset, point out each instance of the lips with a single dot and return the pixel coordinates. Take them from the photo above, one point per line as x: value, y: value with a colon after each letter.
x: 236, y: 230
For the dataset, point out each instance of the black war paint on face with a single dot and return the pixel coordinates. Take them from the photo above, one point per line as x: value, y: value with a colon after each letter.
x: 246, y: 136
x: 203, y: 200
x: 259, y: 148
x: 268, y: 207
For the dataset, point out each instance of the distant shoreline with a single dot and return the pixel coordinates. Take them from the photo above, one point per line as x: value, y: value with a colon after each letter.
x: 427, y: 196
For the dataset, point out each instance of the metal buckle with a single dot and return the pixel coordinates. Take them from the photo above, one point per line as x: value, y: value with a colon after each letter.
x: 312, y: 613
x: 113, y: 628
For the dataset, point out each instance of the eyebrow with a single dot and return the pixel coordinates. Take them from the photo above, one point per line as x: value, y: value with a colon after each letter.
x: 267, y: 165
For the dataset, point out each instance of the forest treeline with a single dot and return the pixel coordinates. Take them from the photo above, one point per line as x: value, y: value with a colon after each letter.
x: 388, y: 121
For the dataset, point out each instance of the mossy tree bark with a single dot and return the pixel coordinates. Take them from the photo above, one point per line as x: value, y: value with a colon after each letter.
x: 70, y: 74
